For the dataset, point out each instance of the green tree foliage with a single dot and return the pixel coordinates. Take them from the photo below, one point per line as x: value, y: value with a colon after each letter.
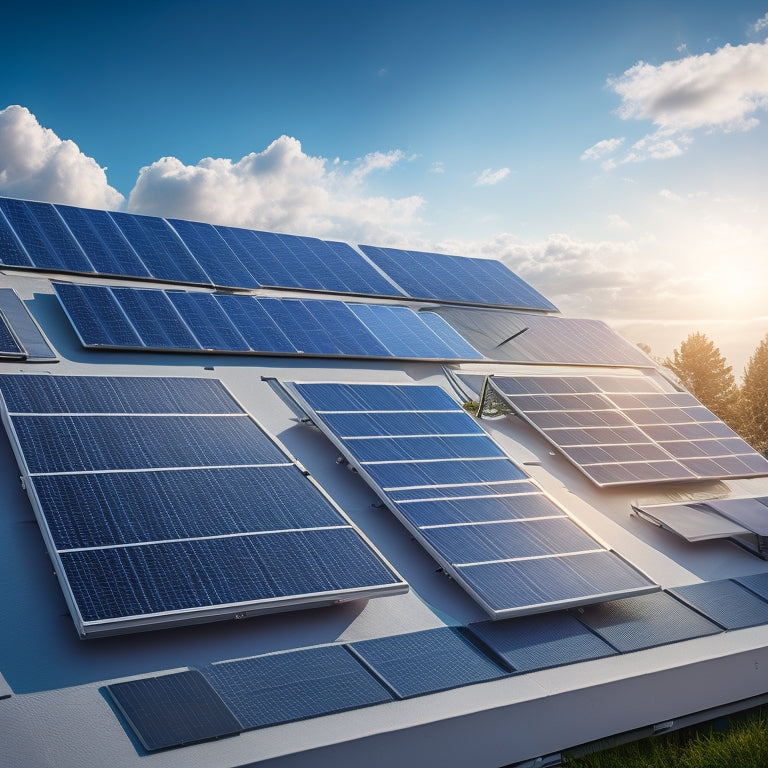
x: 754, y: 399
x: 706, y: 375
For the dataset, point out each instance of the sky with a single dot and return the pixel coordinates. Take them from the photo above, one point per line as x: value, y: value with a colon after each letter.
x: 615, y: 155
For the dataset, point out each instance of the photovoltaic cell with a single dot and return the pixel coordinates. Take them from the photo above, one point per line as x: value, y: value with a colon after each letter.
x: 255, y: 324
x: 426, y: 662
x: 465, y: 501
x: 751, y: 514
x: 236, y: 529
x: 529, y: 338
x: 620, y: 430
x: 284, y: 687
x: 173, y: 710
x: 541, y: 641
x: 725, y: 602
x: 25, y: 328
x: 208, y: 322
x: 647, y: 621
x: 456, y: 278
x: 12, y: 253
x: 10, y: 346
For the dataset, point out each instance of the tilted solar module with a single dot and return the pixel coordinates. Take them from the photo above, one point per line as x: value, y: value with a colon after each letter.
x: 440, y: 277
x: 153, y: 319
x: 620, y: 430
x: 11, y: 347
x: 474, y: 510
x: 139, y: 482
x: 516, y: 337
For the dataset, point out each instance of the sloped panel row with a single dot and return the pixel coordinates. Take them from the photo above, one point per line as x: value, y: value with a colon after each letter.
x: 152, y: 319
x: 620, y: 430
x: 162, y: 502
x: 473, y: 509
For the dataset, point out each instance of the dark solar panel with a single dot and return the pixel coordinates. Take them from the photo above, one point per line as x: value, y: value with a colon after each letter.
x: 208, y: 322
x: 12, y: 253
x: 283, y: 687
x: 25, y: 328
x: 426, y: 662
x: 725, y: 602
x: 102, y: 242
x: 645, y: 622
x: 456, y: 278
x: 528, y: 338
x: 751, y: 514
x: 541, y: 641
x: 172, y: 710
x: 10, y: 346
x: 465, y: 501
x: 160, y: 249
x: 256, y: 326
x: 757, y: 583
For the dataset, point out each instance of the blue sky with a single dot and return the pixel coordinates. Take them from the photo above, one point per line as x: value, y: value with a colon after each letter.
x: 614, y: 154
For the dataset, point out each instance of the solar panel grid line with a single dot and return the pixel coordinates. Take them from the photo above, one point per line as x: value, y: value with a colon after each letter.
x: 476, y: 496
x: 559, y: 556
x: 12, y: 250
x: 492, y: 522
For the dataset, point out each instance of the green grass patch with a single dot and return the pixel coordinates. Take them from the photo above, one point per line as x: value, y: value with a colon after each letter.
x: 743, y: 745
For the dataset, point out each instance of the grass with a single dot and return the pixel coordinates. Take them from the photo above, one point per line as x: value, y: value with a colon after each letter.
x: 743, y: 745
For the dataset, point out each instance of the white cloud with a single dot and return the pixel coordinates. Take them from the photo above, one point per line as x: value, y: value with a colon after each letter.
x: 36, y: 164
x: 616, y: 221
x: 438, y: 166
x: 602, y: 149
x: 489, y: 177
x: 760, y: 25
x: 720, y: 91
x: 282, y: 189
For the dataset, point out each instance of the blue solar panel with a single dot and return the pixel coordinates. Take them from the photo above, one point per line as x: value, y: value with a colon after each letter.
x: 645, y: 622
x: 172, y: 710
x: 403, y: 332
x: 92, y: 443
x: 112, y: 508
x: 255, y: 324
x: 10, y: 346
x: 485, y: 509
x: 12, y: 252
x: 725, y: 602
x: 456, y: 278
x: 97, y: 316
x: 477, y: 530
x: 46, y: 239
x: 115, y: 394
x: 426, y: 662
x: 757, y: 583
x: 529, y: 338
x: 160, y: 249
x: 541, y: 641
x: 103, y: 243
x: 213, y: 254
x: 256, y: 259
x: 155, y: 318
x: 458, y: 345
x: 354, y: 273
x: 283, y: 687
x: 480, y: 543
x: 209, y: 323
x: 124, y: 582
x: 521, y: 585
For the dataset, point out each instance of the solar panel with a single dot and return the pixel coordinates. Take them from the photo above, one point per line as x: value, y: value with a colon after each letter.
x: 10, y: 346
x: 635, y: 623
x: 725, y: 602
x: 160, y: 249
x: 12, y: 252
x: 473, y: 509
x: 159, y: 320
x: 102, y: 242
x: 46, y: 239
x: 692, y: 522
x: 541, y: 641
x: 528, y: 338
x: 620, y: 430
x: 434, y: 276
x: 172, y: 710
x: 426, y: 662
x: 140, y: 482
x: 751, y: 514
x: 284, y: 687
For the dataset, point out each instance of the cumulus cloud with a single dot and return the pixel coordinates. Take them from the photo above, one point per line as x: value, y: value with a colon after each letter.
x: 761, y: 25
x: 280, y: 188
x: 489, y: 177
x: 36, y: 164
x: 721, y: 91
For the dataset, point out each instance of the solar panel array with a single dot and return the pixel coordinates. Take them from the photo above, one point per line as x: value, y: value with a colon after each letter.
x: 514, y: 337
x: 62, y: 238
x: 152, y: 319
x: 441, y: 277
x: 162, y: 502
x: 21, y: 336
x: 620, y: 430
x: 474, y: 510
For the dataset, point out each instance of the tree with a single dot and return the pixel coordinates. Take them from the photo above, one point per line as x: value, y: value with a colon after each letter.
x: 704, y: 372
x: 754, y: 399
